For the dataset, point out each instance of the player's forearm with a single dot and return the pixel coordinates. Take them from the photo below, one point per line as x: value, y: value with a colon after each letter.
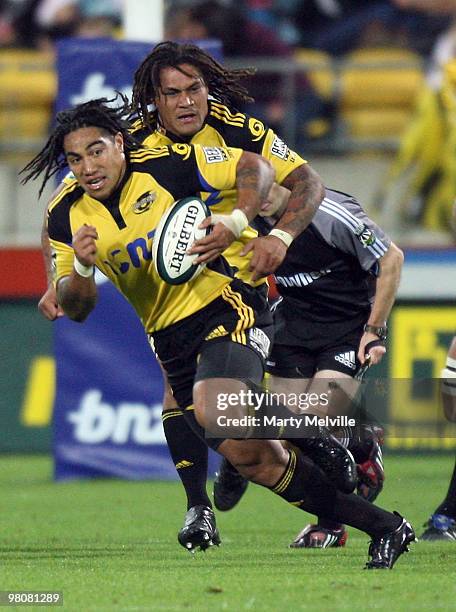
x: 254, y: 179
x: 45, y: 243
x: 307, y: 192
x: 77, y: 295
x: 47, y: 252
x: 387, y: 285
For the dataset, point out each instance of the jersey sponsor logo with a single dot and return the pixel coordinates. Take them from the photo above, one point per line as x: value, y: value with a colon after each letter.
x: 365, y: 235
x: 144, y: 202
x: 347, y: 358
x: 259, y: 341
x: 256, y: 128
x: 95, y: 421
x: 303, y: 279
x: 279, y: 148
x: 136, y: 252
x: 214, y: 155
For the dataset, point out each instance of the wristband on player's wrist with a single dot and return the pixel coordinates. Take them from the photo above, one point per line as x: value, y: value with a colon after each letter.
x: 285, y: 237
x: 236, y: 222
x: 81, y: 269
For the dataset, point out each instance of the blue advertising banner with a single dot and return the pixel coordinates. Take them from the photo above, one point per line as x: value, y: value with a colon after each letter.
x: 107, y: 413
x: 107, y: 416
x: 96, y: 68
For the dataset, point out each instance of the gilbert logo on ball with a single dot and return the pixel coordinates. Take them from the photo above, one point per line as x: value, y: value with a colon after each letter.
x: 176, y: 232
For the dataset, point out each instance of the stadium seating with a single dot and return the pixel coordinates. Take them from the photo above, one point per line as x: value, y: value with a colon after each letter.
x: 27, y: 93
x: 319, y: 68
x: 377, y: 90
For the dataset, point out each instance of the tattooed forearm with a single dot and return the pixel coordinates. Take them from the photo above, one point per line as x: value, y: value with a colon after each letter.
x: 307, y: 192
x: 254, y: 178
x: 77, y: 296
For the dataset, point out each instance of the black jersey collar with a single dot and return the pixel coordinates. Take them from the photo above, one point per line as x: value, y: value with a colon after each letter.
x: 112, y: 204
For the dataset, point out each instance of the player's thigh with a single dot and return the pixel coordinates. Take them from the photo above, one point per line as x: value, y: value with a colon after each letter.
x: 290, y: 370
x: 225, y: 370
x: 286, y: 389
x: 336, y: 389
x: 169, y: 402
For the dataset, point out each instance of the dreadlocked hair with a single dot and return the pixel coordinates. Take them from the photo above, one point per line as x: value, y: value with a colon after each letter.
x: 223, y: 84
x: 96, y: 113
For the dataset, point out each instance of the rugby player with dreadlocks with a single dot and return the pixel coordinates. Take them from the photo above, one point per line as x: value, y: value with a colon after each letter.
x: 182, y: 94
x: 92, y: 218
x: 192, y: 98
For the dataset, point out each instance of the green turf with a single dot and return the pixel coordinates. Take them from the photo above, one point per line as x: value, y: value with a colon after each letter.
x: 111, y: 545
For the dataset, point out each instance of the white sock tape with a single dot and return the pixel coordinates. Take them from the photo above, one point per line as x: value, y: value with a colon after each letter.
x: 81, y: 269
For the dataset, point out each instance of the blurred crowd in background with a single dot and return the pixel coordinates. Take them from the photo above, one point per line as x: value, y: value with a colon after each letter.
x: 246, y: 27
x: 420, y: 109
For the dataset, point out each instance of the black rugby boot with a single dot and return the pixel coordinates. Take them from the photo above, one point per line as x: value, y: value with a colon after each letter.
x: 199, y: 530
x: 386, y: 549
x: 229, y: 486
x: 331, y: 457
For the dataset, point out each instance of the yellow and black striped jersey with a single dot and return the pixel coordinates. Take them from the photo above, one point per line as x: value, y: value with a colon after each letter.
x: 225, y: 127
x: 126, y: 223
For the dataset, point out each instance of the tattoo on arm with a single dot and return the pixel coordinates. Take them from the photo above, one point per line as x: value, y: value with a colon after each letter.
x: 249, y: 178
x: 77, y: 297
x: 307, y: 192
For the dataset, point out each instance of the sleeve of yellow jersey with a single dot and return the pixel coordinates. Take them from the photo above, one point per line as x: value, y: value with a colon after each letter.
x: 283, y: 159
x: 217, y: 167
x: 62, y: 260
x: 60, y: 241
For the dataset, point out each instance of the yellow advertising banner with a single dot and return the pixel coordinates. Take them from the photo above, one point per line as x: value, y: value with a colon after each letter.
x: 419, y: 342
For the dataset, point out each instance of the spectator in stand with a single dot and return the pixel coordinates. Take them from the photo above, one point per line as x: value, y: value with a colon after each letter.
x: 243, y: 37
x: 340, y: 26
x: 39, y: 23
x: 444, y: 48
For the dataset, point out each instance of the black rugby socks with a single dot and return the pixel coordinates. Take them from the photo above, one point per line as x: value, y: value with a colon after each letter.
x: 305, y: 486
x: 189, y: 453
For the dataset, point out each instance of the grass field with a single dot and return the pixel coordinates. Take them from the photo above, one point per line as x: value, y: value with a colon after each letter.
x: 111, y: 545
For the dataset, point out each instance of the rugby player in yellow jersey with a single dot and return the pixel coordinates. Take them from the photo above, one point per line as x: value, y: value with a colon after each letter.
x: 194, y: 100
x: 92, y: 222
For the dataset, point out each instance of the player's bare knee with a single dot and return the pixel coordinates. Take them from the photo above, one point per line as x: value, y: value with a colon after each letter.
x: 257, y: 460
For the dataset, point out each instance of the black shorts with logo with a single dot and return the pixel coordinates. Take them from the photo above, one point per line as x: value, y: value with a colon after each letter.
x: 229, y: 338
x: 302, y: 347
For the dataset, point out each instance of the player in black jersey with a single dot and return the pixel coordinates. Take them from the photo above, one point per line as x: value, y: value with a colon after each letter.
x: 94, y: 218
x: 337, y: 286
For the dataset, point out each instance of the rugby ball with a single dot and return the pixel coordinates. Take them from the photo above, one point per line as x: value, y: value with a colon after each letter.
x: 175, y: 233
